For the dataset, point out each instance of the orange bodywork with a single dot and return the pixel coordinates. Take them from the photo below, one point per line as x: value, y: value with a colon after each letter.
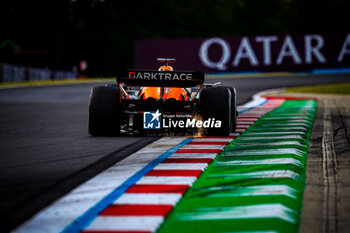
x: 176, y: 93
x: 169, y: 92
x: 165, y: 68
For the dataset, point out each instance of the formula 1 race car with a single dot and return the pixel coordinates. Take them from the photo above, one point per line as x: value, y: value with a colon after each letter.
x: 152, y: 102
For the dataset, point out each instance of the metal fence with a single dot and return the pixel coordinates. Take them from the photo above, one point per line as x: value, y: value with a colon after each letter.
x: 14, y: 73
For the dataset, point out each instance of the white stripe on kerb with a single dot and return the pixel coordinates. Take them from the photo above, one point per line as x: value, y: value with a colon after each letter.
x: 247, y: 119
x: 194, y: 146
x: 193, y: 156
x: 235, y: 134
x: 250, y: 114
x: 212, y: 140
x: 149, y: 198
x: 255, y: 112
x: 181, y: 166
x: 240, y: 130
x: 245, y: 122
x: 180, y: 180
x: 243, y: 126
x: 138, y: 223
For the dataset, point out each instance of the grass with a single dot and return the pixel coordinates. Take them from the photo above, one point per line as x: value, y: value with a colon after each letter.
x: 54, y: 82
x: 340, y: 89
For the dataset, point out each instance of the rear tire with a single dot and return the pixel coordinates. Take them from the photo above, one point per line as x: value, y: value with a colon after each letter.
x: 234, y: 108
x: 104, y: 111
x: 215, y: 102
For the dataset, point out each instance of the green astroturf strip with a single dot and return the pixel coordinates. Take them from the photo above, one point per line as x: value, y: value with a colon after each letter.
x: 256, y: 184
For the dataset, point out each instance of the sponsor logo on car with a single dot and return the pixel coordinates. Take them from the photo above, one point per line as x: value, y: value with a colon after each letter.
x: 159, y: 76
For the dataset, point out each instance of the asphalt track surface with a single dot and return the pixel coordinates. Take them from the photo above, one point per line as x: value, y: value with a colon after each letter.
x: 46, y: 151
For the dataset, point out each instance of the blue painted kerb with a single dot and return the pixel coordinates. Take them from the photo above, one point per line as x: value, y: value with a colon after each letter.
x: 84, y: 220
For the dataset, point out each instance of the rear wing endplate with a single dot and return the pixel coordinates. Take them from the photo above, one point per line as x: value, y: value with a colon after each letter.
x: 161, y: 78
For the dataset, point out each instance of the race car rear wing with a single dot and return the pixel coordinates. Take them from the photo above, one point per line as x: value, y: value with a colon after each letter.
x: 166, y: 60
x: 161, y: 78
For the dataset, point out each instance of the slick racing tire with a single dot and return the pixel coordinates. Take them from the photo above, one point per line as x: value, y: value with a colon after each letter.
x: 104, y: 111
x: 234, y: 108
x: 215, y: 103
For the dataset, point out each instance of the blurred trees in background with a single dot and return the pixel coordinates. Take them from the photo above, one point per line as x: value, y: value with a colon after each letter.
x: 103, y: 32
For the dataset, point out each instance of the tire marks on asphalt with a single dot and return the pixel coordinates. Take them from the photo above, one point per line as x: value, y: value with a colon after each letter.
x: 329, y: 167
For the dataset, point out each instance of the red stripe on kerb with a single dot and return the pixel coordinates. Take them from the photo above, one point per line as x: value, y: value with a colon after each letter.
x: 195, y: 173
x: 208, y: 143
x: 113, y: 231
x: 217, y: 151
x: 139, y: 210
x: 251, y: 115
x: 164, y: 188
x: 248, y: 116
x: 218, y: 137
x: 189, y: 160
